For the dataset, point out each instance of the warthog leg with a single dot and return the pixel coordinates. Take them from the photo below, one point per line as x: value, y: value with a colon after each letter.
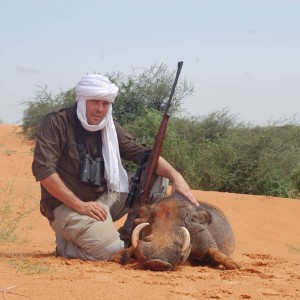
x: 221, y: 259
x: 125, y: 256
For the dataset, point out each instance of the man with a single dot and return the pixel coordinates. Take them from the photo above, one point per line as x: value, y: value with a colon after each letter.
x: 81, y: 205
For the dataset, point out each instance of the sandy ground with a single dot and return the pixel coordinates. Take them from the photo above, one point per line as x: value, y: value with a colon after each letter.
x: 267, y: 231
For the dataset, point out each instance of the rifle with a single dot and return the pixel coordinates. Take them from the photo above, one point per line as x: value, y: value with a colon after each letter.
x: 147, y: 164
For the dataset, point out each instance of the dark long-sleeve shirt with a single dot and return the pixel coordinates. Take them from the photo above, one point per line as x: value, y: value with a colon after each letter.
x: 56, y: 152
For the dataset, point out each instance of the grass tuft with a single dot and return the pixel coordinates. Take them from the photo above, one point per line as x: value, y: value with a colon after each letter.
x: 13, y: 209
x: 25, y: 265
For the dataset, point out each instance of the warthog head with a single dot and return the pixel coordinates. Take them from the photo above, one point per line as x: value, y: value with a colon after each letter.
x: 165, y: 242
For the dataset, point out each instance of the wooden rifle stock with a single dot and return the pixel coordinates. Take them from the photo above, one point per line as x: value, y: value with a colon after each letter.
x: 151, y: 166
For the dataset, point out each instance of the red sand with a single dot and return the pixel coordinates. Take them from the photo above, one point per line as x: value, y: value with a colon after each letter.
x: 267, y: 231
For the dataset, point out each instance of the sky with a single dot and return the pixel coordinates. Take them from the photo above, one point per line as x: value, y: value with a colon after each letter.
x: 242, y: 56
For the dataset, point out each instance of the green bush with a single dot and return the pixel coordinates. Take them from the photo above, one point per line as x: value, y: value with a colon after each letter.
x: 218, y: 153
x: 296, y: 182
x: 43, y: 103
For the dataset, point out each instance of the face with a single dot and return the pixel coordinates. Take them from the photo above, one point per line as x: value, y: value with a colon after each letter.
x: 96, y: 111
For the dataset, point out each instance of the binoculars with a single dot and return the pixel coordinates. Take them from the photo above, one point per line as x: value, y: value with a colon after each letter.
x: 91, y: 170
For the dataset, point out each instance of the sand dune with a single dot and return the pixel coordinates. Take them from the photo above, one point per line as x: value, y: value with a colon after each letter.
x: 267, y: 231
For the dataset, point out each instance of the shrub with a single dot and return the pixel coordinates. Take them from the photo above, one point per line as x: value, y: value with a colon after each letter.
x: 43, y: 103
x: 228, y: 156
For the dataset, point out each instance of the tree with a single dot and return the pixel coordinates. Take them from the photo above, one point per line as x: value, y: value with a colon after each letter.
x: 147, y: 90
x: 43, y: 103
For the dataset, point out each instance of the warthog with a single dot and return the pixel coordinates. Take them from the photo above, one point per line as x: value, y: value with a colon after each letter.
x: 176, y: 231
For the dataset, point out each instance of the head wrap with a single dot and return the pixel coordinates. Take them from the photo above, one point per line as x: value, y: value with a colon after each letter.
x: 98, y: 87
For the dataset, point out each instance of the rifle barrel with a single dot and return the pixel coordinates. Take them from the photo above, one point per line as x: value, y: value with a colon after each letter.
x: 158, y: 144
x: 179, y: 66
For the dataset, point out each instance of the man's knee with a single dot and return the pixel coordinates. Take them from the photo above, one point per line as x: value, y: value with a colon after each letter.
x: 105, y: 253
x: 94, y: 252
x: 101, y: 240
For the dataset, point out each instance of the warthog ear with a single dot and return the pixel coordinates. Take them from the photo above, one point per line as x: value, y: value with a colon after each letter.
x: 201, y: 217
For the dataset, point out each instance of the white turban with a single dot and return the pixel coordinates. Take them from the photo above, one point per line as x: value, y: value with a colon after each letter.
x: 93, y: 87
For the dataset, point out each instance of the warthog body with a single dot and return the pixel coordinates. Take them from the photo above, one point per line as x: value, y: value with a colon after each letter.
x: 176, y: 231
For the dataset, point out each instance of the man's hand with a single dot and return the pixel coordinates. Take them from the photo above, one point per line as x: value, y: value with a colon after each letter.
x: 180, y: 186
x: 55, y: 186
x: 93, y: 209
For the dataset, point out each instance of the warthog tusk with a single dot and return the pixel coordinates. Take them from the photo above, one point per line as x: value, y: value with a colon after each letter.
x: 136, y: 233
x: 186, y: 239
